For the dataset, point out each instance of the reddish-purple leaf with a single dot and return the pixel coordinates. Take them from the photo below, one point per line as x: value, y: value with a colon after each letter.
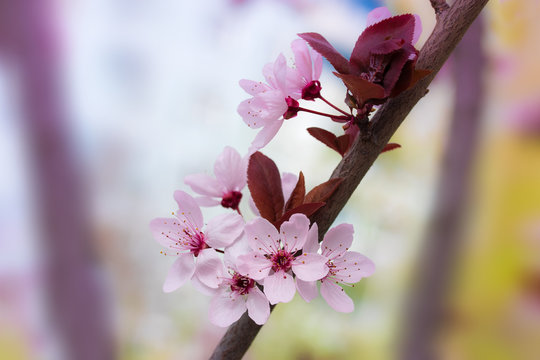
x: 390, y: 146
x: 417, y: 75
x: 341, y: 144
x: 388, y: 46
x: 344, y: 143
x: 324, y: 136
x: 322, y: 192
x: 323, y: 47
x: 361, y: 89
x: 306, y: 209
x: 264, y: 183
x: 395, y: 67
x: 297, y: 195
x: 405, y: 78
x: 408, y: 78
x: 397, y: 27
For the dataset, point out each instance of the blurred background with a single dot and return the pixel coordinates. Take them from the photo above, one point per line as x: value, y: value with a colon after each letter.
x: 105, y: 106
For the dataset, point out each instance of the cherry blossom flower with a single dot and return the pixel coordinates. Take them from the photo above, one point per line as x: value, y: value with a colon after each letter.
x: 183, y: 237
x: 226, y: 187
x: 235, y: 295
x: 268, y: 105
x: 277, y: 99
x: 345, y: 267
x: 275, y: 257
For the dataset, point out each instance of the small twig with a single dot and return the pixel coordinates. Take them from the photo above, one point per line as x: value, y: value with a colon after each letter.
x: 439, y: 6
x: 426, y: 307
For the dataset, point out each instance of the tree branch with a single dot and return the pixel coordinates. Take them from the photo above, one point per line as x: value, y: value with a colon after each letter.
x: 439, y: 6
x: 75, y: 294
x: 450, y: 28
x: 425, y: 313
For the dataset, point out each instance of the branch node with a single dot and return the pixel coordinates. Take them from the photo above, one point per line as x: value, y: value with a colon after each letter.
x: 440, y: 6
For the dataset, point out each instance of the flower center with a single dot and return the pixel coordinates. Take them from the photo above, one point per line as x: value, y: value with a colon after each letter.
x: 231, y: 200
x: 331, y: 268
x: 195, y: 242
x: 282, y: 260
x: 241, y: 284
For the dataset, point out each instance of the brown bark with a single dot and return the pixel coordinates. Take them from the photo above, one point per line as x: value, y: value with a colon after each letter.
x: 75, y: 296
x: 450, y: 28
x: 425, y: 310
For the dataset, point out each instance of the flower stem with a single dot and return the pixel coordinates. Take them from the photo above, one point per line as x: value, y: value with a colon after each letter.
x: 333, y: 106
x: 341, y: 117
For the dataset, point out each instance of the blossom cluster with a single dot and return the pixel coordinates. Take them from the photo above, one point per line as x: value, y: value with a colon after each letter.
x: 248, y: 266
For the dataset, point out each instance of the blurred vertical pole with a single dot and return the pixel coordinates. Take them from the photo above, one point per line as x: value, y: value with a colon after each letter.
x: 75, y: 295
x: 425, y: 309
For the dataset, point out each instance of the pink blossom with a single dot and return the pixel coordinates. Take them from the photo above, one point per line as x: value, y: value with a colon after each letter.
x: 276, y: 100
x: 226, y: 187
x: 235, y: 295
x: 378, y: 14
x: 345, y: 267
x: 183, y: 237
x: 275, y: 257
x: 268, y: 105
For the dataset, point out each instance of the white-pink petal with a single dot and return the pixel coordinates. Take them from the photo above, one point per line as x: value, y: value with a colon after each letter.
x: 180, y: 272
x: 240, y: 247
x: 223, y: 230
x: 204, y: 184
x: 279, y: 287
x: 294, y: 232
x: 188, y: 210
x: 302, y: 59
x: 308, y: 63
x: 288, y: 183
x: 253, y: 87
x: 310, y: 267
x: 312, y: 240
x: 254, y: 265
x: 225, y: 309
x: 252, y: 113
x: 202, y: 288
x: 265, y: 135
x: 230, y: 169
x: 209, y: 268
x: 257, y: 306
x: 273, y: 105
x: 353, y: 266
x: 262, y: 236
x: 253, y: 207
x: 377, y: 15
x: 207, y: 201
x: 280, y: 73
x: 307, y: 289
x: 336, y: 297
x: 166, y: 231
x: 337, y: 240
x: 417, y: 29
